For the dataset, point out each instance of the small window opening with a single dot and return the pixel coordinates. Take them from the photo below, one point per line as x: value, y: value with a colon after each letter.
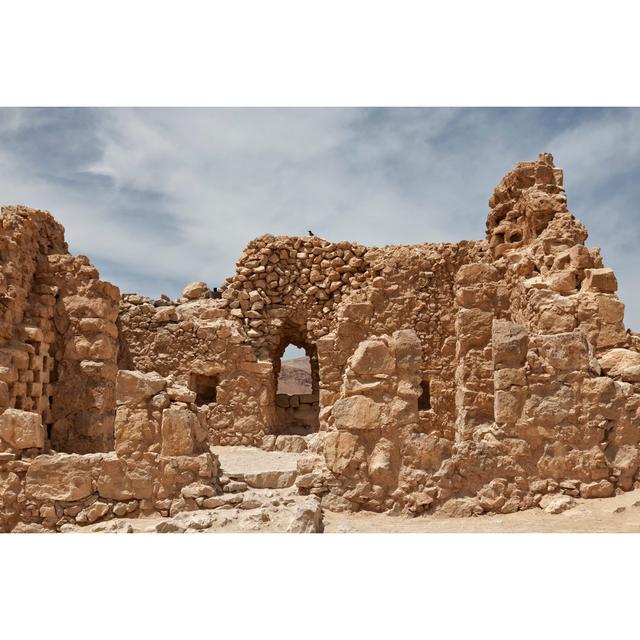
x: 424, y: 401
x: 205, y: 388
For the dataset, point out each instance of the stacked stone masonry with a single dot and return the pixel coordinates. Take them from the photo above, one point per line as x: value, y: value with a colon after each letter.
x: 480, y: 376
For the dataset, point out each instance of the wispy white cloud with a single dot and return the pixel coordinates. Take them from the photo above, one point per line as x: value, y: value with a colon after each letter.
x: 159, y: 197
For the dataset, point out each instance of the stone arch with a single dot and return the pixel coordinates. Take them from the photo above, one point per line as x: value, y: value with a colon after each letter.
x: 296, y: 413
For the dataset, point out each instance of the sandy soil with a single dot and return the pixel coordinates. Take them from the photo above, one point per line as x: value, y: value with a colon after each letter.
x: 617, y: 514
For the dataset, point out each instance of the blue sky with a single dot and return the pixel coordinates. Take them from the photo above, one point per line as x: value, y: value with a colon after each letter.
x: 160, y: 197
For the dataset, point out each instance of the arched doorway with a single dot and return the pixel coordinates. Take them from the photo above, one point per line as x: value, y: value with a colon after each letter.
x: 297, y: 381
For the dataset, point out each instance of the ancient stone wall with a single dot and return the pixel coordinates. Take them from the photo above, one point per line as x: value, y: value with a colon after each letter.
x: 58, y: 334
x: 462, y: 378
x: 161, y: 464
x: 297, y: 414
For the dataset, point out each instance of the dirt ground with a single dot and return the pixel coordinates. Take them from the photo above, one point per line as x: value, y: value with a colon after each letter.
x: 620, y: 514
x: 276, y: 509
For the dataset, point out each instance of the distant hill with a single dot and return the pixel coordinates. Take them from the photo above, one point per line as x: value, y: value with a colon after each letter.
x: 295, y: 376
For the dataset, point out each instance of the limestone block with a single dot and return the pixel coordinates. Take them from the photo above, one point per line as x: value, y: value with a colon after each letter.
x: 610, y: 310
x: 621, y: 363
x: 22, y: 429
x: 358, y: 311
x: 372, y: 357
x: 626, y: 463
x: 8, y: 374
x: 564, y: 351
x: 552, y: 407
x: 198, y: 490
x: 600, y: 280
x: 408, y: 349
x: 556, y: 503
x: 598, y: 391
x: 510, y: 342
x: 98, y: 325
x: 307, y: 517
x: 340, y: 451
x: 135, y: 387
x: 141, y: 475
x: 178, y: 393
x: 195, y: 290
x: 562, y: 281
x: 59, y: 477
x: 177, y: 431
x: 290, y: 444
x: 473, y: 328
x: 263, y: 368
x: 82, y: 307
x: 383, y: 464
x: 470, y: 274
x: 282, y: 400
x: 93, y: 512
x: 165, y: 314
x: 97, y: 347
x: 611, y: 335
x: 357, y: 412
x: 135, y: 431
x: 17, y: 356
x: 508, y: 405
x: 279, y: 479
x: 601, y: 489
x: 113, y: 482
x: 309, y: 398
x: 505, y: 378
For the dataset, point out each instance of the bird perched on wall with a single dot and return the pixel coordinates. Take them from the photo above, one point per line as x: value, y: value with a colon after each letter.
x: 311, y: 233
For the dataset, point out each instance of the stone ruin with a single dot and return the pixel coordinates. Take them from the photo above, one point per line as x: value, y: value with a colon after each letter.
x: 482, y: 376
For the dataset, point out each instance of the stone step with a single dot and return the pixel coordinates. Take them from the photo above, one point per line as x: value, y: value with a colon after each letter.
x: 257, y: 468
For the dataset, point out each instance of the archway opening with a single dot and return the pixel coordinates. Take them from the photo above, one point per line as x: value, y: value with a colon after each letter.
x: 297, y: 387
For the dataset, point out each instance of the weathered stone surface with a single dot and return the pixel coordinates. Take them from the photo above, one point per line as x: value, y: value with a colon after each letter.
x: 134, y: 387
x: 270, y: 479
x: 59, y: 477
x: 178, y: 427
x: 21, y: 429
x: 113, y: 482
x: 601, y: 489
x: 307, y: 518
x: 340, y: 451
x: 196, y: 290
x: 292, y: 444
x: 383, y: 468
x: 372, y: 357
x: 564, y: 351
x: 557, y: 503
x: 198, y: 490
x: 510, y: 342
x: 135, y: 431
x: 601, y: 280
x: 357, y: 412
x: 621, y: 363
